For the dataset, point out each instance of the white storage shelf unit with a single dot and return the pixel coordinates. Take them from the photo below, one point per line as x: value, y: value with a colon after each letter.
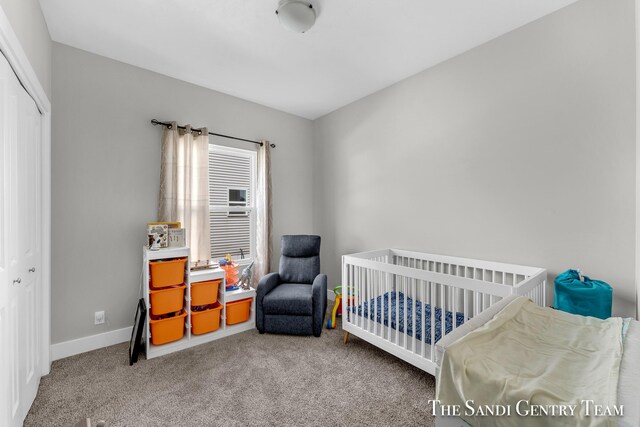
x: 189, y: 339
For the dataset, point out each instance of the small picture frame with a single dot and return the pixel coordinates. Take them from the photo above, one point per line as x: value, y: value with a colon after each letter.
x: 176, y: 238
x: 135, y: 343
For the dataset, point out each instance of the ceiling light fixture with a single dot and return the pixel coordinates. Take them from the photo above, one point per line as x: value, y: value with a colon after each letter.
x: 296, y: 15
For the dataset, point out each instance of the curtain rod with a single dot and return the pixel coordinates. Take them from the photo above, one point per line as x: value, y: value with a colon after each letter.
x: 168, y: 125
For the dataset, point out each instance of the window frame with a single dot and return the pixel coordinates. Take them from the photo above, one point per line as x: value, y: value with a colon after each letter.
x: 250, y: 208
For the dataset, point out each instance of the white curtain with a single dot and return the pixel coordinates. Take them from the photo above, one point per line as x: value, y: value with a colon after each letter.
x: 184, y: 186
x: 263, y: 213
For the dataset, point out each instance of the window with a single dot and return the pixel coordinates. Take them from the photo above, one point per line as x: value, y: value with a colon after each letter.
x: 232, y: 175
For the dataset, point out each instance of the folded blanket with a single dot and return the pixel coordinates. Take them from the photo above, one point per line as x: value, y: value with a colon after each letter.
x: 536, y: 356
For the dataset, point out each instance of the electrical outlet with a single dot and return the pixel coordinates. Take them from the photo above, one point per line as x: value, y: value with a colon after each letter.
x: 99, y: 318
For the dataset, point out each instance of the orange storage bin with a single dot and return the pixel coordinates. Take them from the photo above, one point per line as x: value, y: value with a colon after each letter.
x: 238, y: 311
x: 204, y: 293
x: 167, y: 300
x: 167, y: 273
x: 206, y: 321
x: 167, y: 330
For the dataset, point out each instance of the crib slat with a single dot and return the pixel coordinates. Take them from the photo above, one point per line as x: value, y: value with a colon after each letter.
x: 455, y: 309
x: 404, y: 291
x: 388, y: 301
x: 443, y: 290
x: 475, y: 303
x: 370, y: 320
x: 423, y: 340
x: 389, y: 290
x: 362, y: 296
x: 541, y: 301
x: 356, y: 292
x: 541, y: 295
x: 346, y: 317
x: 354, y: 303
x: 415, y: 312
x: 368, y: 297
x: 376, y: 292
x: 360, y: 301
x: 395, y: 317
x: 383, y: 287
x: 354, y: 289
x: 345, y: 281
x: 399, y: 315
x: 465, y: 311
x: 433, y: 318
x: 539, y: 289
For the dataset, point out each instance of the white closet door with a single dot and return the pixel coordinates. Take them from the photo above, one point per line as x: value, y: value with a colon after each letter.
x: 10, y: 304
x: 20, y: 226
x: 7, y: 364
x: 28, y: 241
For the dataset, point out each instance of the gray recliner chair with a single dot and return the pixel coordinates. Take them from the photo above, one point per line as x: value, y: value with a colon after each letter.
x: 294, y: 300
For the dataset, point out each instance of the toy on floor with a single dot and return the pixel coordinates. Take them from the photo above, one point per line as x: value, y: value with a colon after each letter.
x: 337, y: 307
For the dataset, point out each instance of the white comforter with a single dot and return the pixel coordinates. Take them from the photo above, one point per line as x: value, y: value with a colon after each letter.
x: 539, y: 356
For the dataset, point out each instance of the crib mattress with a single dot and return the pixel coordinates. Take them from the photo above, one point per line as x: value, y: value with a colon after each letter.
x: 380, y: 313
x: 628, y: 390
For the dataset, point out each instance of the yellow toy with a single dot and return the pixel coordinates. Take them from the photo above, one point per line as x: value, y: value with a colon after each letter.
x: 337, y: 307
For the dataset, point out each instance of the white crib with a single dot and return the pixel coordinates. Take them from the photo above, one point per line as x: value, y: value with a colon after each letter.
x: 387, y: 287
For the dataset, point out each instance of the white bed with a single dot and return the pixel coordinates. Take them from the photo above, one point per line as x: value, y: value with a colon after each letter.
x: 387, y: 287
x: 628, y: 386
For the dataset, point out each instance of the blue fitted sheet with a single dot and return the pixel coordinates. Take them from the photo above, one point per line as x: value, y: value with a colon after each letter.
x: 399, y: 320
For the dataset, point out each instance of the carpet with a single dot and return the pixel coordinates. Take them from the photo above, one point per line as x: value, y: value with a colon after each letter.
x: 244, y: 379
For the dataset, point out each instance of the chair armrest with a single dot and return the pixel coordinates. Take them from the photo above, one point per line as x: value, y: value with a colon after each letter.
x: 265, y: 285
x: 319, y: 290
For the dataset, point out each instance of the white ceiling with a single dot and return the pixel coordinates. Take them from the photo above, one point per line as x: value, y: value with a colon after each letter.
x: 357, y: 47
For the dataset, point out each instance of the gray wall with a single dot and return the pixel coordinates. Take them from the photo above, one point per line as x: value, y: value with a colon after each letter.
x: 521, y: 150
x: 29, y: 25
x: 106, y: 166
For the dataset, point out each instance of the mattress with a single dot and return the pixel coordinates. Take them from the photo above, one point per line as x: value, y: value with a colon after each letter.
x: 381, y: 305
x: 628, y: 390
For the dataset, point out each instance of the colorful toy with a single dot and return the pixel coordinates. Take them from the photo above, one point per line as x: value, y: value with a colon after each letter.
x: 227, y: 260
x: 231, y: 272
x: 337, y: 307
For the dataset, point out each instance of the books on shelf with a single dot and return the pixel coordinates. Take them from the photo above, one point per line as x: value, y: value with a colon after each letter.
x: 177, y: 238
x: 159, y: 235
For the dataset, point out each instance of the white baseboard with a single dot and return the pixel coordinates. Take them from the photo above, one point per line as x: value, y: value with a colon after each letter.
x: 92, y: 342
